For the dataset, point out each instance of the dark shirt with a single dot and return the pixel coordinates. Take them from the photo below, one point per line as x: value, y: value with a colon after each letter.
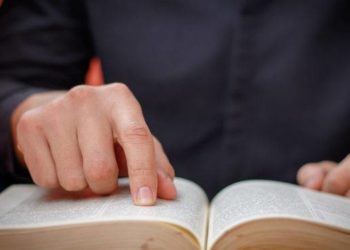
x: 234, y: 89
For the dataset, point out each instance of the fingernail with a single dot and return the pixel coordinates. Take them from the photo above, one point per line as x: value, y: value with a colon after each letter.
x: 144, y: 196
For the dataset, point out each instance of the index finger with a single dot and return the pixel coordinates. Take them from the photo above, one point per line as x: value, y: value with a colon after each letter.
x: 136, y: 140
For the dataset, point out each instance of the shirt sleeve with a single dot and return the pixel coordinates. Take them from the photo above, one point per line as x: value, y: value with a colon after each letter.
x: 44, y: 45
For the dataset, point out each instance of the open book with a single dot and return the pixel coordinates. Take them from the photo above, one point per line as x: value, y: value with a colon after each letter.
x: 245, y: 215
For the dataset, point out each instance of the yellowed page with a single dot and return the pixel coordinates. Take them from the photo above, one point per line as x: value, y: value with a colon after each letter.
x: 28, y: 206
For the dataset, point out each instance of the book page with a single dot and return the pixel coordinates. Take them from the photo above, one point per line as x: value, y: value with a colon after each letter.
x: 327, y: 208
x: 28, y: 206
x: 248, y: 200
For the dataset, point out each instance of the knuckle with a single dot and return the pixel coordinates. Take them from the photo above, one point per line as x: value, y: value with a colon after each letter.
x: 80, y: 94
x: 28, y: 122
x: 100, y: 170
x: 120, y: 88
x: 140, y: 172
x: 136, y: 135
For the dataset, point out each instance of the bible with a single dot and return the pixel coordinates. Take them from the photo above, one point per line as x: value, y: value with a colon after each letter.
x: 255, y: 214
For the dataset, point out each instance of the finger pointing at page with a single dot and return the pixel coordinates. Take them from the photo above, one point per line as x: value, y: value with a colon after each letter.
x: 134, y: 136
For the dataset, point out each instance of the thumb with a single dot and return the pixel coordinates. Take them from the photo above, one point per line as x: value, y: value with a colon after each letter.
x: 338, y: 180
x: 312, y: 175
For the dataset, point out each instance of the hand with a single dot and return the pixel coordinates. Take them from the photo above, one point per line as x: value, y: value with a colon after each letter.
x: 327, y: 176
x: 89, y: 136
